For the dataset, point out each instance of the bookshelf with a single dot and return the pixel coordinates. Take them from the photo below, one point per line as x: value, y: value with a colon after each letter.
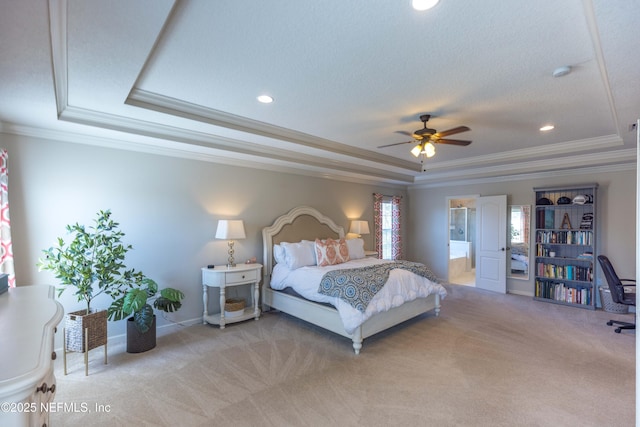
x: 565, y: 245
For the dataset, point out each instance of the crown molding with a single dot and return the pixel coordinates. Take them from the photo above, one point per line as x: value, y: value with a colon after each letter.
x: 619, y: 160
x: 175, y: 107
x: 562, y: 148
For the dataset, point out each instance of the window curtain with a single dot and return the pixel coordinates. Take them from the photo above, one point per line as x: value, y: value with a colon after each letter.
x: 396, y: 239
x: 377, y: 222
x: 6, y: 250
x: 394, y: 227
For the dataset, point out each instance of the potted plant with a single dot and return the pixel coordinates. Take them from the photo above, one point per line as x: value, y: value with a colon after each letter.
x: 135, y: 298
x: 91, y: 263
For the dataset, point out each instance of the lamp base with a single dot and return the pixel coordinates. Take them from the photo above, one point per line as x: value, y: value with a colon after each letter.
x: 230, y: 260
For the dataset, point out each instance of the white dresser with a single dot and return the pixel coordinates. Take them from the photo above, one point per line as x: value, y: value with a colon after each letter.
x: 29, y: 316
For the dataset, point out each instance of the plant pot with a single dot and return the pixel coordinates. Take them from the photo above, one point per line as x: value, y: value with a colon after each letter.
x: 95, y: 323
x: 138, y: 342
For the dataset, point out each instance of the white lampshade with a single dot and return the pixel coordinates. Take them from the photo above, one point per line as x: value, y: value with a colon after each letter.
x: 230, y: 229
x: 359, y: 227
x: 429, y: 149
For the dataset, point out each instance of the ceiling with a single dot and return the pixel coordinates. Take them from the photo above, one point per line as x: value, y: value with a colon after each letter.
x: 180, y: 78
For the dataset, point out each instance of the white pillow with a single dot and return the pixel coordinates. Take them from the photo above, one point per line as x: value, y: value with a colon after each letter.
x: 356, y: 248
x: 299, y: 254
x: 278, y: 254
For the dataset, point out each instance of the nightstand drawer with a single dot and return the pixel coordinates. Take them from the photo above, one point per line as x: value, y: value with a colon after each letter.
x: 241, y: 276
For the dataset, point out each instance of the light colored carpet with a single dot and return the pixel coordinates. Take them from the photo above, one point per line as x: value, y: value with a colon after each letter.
x: 488, y: 360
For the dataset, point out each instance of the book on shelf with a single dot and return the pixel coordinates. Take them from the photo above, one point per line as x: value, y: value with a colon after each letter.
x: 549, y: 219
x: 556, y: 291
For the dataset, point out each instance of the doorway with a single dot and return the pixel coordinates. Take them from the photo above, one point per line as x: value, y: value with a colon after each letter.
x: 462, y: 240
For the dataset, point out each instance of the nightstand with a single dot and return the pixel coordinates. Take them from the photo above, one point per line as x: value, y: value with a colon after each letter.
x: 223, y: 277
x: 371, y: 254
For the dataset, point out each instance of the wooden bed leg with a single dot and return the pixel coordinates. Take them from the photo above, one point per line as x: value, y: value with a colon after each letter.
x: 357, y: 340
x: 437, y: 309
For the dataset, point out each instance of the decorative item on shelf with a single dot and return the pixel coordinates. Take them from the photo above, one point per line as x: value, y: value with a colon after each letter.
x: 580, y: 199
x: 543, y: 201
x: 230, y: 230
x: 566, y: 221
x: 587, y: 221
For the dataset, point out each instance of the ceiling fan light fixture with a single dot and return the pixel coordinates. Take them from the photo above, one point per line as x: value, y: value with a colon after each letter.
x: 547, y: 128
x: 429, y: 149
x: 423, y: 4
x: 416, y: 150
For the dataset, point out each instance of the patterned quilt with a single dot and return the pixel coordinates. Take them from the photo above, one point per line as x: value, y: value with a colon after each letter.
x: 357, y: 286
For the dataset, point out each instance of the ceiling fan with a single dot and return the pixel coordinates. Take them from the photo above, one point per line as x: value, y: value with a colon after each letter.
x: 427, y: 137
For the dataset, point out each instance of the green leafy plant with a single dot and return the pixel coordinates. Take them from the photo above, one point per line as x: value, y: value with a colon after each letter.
x: 135, y: 298
x: 92, y: 262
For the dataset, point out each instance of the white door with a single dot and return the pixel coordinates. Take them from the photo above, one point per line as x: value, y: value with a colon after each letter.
x: 491, y: 251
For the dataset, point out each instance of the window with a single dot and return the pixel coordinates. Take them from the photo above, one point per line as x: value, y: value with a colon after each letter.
x: 387, y: 226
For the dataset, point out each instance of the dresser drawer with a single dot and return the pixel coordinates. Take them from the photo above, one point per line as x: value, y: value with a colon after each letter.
x: 241, y: 276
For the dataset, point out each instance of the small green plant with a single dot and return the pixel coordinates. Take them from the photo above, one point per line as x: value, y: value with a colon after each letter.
x: 136, y: 297
x: 92, y: 262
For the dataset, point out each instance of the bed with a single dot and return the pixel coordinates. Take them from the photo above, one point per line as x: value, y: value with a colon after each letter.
x: 307, y: 224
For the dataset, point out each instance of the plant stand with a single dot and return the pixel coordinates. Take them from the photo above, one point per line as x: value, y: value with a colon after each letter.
x: 84, y: 332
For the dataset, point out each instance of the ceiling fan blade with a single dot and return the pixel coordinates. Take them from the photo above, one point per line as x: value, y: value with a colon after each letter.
x: 404, y: 132
x: 453, y: 142
x: 396, y: 143
x: 453, y: 131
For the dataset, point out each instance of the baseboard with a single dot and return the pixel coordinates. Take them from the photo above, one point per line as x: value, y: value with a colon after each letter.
x: 523, y: 293
x: 121, y: 339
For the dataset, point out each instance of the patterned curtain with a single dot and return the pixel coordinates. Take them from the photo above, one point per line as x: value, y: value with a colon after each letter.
x: 6, y: 250
x: 377, y: 222
x: 386, y: 217
x: 396, y: 238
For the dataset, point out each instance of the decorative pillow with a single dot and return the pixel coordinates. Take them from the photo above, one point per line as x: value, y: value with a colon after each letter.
x: 299, y: 254
x: 278, y: 254
x: 356, y: 248
x: 331, y: 252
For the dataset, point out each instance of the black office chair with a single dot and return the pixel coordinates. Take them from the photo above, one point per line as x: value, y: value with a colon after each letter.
x: 619, y: 294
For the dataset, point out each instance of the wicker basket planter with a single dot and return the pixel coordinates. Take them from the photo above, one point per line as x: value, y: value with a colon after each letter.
x: 77, y: 322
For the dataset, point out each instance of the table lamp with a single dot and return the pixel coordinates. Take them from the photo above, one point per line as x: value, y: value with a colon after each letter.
x: 230, y: 230
x: 359, y: 227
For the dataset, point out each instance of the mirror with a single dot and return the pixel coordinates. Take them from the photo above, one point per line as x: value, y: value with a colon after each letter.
x: 519, y: 228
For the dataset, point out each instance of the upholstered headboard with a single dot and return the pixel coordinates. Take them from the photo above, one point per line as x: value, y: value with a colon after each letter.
x: 301, y: 223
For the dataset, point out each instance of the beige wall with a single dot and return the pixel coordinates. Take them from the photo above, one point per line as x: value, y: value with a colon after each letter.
x: 616, y: 218
x: 168, y: 208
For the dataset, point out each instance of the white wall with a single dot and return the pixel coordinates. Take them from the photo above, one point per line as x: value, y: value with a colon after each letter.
x: 616, y: 218
x: 167, y: 207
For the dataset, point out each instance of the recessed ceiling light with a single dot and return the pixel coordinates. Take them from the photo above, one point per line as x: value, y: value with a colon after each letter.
x: 561, y: 71
x: 547, y: 128
x: 265, y: 99
x: 424, y: 4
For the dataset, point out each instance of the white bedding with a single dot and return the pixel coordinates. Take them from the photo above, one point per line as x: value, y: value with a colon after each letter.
x: 402, y: 286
